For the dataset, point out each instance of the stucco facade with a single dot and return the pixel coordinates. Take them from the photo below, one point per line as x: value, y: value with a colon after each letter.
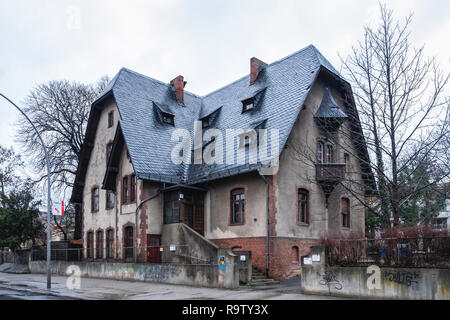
x: 269, y: 224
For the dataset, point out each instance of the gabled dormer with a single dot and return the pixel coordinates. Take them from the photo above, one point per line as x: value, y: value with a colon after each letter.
x: 210, y: 118
x: 163, y: 114
x: 253, y: 101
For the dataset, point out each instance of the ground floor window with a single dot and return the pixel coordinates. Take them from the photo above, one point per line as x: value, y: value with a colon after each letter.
x: 99, y: 244
x: 90, y: 245
x: 110, y: 244
x: 128, y: 242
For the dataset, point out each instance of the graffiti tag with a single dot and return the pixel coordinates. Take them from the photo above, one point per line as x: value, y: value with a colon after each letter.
x: 407, y: 278
x: 329, y: 279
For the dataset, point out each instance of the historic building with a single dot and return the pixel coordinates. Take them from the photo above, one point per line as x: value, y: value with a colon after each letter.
x: 131, y: 183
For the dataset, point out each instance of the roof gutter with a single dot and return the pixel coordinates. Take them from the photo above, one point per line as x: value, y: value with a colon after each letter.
x: 267, y: 222
x: 136, y: 227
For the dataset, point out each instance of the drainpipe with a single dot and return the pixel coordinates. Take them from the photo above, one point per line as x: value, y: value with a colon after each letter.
x: 136, y: 227
x: 267, y: 222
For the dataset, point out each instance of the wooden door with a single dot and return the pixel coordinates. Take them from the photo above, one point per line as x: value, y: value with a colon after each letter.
x: 153, y: 248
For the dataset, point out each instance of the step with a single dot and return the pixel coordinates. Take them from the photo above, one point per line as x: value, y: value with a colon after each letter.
x: 257, y: 277
x: 266, y: 282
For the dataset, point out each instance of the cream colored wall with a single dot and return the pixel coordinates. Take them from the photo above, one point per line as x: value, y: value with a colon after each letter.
x: 297, y: 170
x: 121, y: 214
x: 95, y: 174
x: 217, y: 208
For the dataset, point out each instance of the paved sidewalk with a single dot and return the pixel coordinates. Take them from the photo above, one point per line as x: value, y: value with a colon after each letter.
x: 102, y: 289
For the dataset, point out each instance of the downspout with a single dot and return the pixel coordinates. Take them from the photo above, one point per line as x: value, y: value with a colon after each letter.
x: 136, y: 227
x: 267, y: 222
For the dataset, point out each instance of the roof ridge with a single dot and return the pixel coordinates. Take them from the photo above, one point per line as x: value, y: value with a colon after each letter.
x: 268, y: 65
x: 155, y: 80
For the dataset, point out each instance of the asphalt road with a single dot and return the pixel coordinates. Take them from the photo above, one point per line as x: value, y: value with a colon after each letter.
x: 8, y: 293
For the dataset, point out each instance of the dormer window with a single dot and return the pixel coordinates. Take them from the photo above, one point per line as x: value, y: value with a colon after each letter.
x: 248, y: 105
x: 168, y: 118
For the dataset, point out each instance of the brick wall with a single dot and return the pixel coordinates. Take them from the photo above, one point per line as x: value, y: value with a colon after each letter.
x: 280, y: 263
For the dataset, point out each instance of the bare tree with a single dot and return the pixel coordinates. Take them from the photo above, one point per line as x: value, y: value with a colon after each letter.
x: 404, y: 113
x: 9, y: 163
x: 60, y: 111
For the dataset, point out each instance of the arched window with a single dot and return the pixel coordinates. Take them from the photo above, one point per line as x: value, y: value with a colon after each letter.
x: 128, y: 239
x: 303, y: 209
x: 99, y: 244
x: 345, y: 212
x: 94, y: 199
x: 294, y: 254
x: 237, y: 206
x: 329, y: 157
x: 90, y: 245
x: 319, y: 152
x: 110, y: 244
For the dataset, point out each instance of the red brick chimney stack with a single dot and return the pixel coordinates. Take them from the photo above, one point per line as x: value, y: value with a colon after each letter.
x: 255, y: 64
x: 179, y: 83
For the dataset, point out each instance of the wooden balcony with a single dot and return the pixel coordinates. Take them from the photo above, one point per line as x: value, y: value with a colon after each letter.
x: 330, y: 172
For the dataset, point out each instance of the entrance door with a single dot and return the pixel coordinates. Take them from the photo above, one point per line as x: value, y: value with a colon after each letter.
x: 153, y: 248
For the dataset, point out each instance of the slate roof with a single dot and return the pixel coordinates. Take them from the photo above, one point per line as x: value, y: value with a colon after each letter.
x: 328, y: 107
x: 281, y: 88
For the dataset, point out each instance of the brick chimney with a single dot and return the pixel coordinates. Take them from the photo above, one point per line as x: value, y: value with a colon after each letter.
x: 179, y: 83
x: 255, y: 65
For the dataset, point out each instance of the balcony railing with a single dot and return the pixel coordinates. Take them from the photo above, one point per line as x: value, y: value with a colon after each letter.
x: 330, y: 171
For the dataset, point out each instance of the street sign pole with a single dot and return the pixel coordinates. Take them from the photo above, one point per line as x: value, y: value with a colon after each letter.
x: 49, y: 200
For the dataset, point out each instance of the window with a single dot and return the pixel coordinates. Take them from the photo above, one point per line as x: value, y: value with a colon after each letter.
x: 168, y: 118
x: 294, y: 254
x: 345, y: 212
x: 108, y: 151
x: 171, y: 207
x: 206, y: 122
x: 110, y: 199
x: 94, y: 199
x: 128, y: 239
x: 90, y: 245
x: 237, y: 206
x: 248, y: 105
x: 99, y: 244
x: 133, y: 188
x: 347, y: 162
x: 319, y: 152
x: 110, y: 119
x: 330, y: 154
x: 303, y: 214
x: 125, y: 190
x: 110, y: 244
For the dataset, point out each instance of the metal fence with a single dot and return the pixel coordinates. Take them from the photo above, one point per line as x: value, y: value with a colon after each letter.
x: 171, y: 254
x: 395, y: 252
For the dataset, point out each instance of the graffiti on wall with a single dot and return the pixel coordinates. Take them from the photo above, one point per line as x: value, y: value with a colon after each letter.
x: 329, y: 279
x: 157, y: 272
x: 402, y: 277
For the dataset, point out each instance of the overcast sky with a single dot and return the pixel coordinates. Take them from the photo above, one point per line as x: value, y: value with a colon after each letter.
x: 208, y: 42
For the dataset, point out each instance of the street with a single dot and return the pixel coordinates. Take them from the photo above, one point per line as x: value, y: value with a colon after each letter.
x: 33, y: 287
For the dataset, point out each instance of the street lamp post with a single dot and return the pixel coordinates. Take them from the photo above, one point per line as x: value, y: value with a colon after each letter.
x: 49, y: 201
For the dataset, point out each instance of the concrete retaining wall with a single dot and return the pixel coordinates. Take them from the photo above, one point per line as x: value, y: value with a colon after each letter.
x: 193, y: 275
x: 376, y: 282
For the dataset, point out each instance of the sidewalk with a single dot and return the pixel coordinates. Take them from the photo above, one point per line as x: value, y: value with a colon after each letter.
x: 101, y: 289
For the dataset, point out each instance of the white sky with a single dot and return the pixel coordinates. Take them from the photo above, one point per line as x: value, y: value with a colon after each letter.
x: 209, y: 42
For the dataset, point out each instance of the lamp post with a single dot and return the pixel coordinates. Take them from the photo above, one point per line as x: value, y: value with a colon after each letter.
x: 49, y: 201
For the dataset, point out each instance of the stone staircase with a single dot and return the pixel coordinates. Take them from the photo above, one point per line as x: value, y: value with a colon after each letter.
x: 260, y: 279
